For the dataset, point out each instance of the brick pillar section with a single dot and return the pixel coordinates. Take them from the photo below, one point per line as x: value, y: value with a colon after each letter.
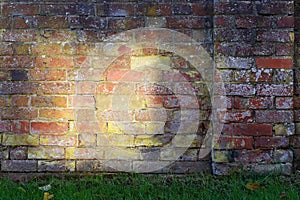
x: 254, y: 52
x: 296, y: 137
x: 60, y: 86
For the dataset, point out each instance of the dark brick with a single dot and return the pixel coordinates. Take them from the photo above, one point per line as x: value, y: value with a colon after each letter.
x: 19, y: 75
x: 18, y: 165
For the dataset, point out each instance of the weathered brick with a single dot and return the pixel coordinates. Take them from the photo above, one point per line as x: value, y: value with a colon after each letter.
x: 19, y: 165
x: 56, y: 166
x: 57, y: 114
x: 271, y: 142
x: 55, y: 22
x: 5, y: 126
x: 284, y: 102
x: 84, y: 153
x: 58, y: 140
x: 20, y: 139
x: 18, y: 153
x: 19, y: 35
x: 58, y: 9
x: 274, y: 90
x: 240, y: 89
x: 20, y: 9
x: 120, y: 10
x: 154, y: 9
x: 188, y: 22
x: 274, y: 116
x: 46, y: 152
x: 16, y: 113
x: 231, y: 8
x: 253, y: 156
x: 269, y: 8
x: 234, y: 143
x: 49, y: 101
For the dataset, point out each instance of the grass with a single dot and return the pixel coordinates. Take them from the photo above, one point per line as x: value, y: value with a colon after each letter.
x: 152, y: 187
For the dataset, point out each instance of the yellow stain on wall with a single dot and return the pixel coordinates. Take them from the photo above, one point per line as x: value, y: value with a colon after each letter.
x: 17, y: 140
x: 140, y: 63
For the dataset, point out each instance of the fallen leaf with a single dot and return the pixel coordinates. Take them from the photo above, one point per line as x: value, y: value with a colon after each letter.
x: 47, y: 196
x: 252, y: 186
x: 45, y: 188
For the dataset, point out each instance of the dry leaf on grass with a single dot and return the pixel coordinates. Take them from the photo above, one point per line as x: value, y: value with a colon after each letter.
x: 47, y: 196
x: 252, y: 186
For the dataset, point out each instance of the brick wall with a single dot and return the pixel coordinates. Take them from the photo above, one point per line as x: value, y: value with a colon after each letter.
x: 84, y: 89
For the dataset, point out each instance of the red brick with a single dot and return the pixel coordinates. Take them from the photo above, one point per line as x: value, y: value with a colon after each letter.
x: 55, y: 62
x: 20, y: 126
x: 261, y: 102
x: 271, y: 142
x: 234, y: 143
x: 202, y: 9
x: 274, y: 90
x: 253, y: 130
x: 285, y: 22
x: 274, y: 116
x: 274, y: 63
x: 20, y: 9
x: 49, y: 127
x: 224, y: 21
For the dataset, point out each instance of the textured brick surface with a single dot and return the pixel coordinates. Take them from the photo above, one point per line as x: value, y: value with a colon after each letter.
x: 73, y: 98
